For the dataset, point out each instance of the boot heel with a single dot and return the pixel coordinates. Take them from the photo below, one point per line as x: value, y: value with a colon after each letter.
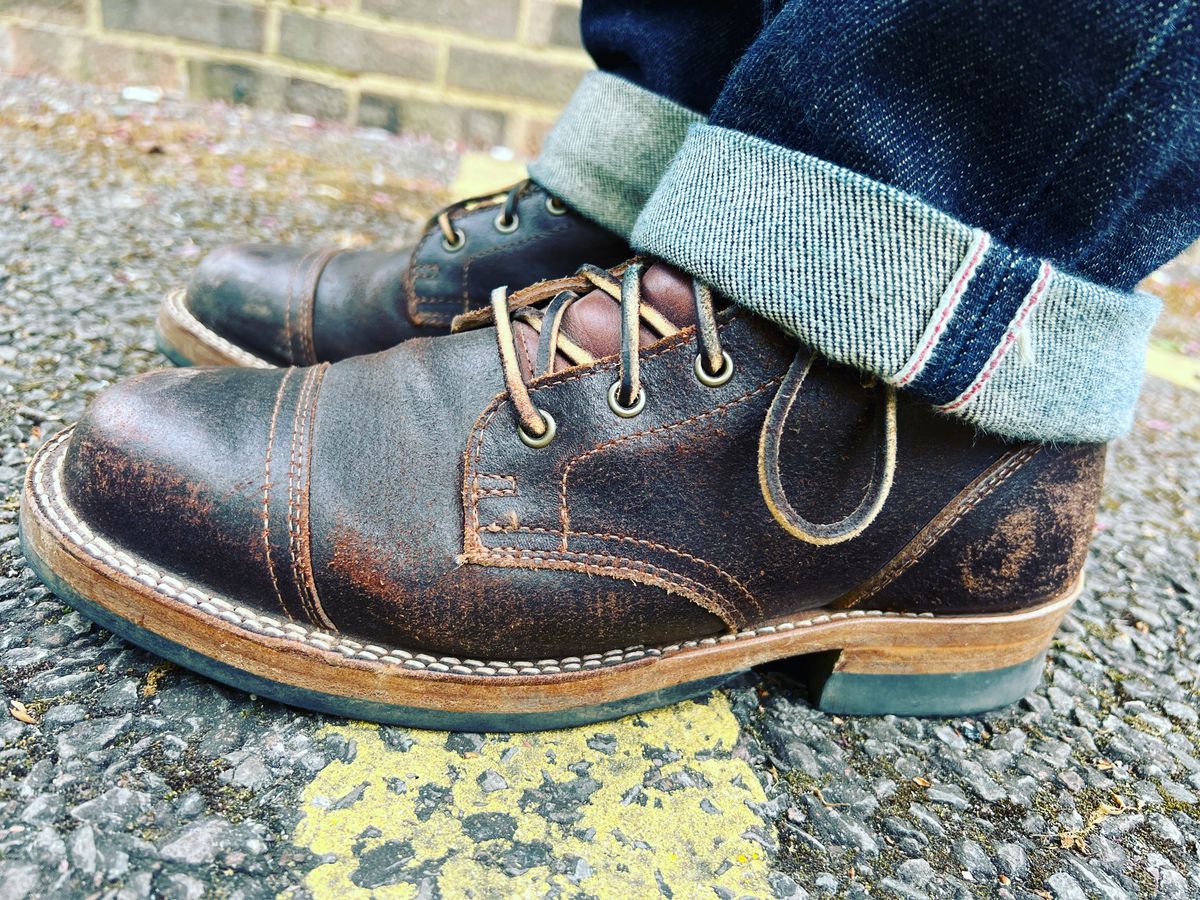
x: 849, y: 693
x: 937, y: 665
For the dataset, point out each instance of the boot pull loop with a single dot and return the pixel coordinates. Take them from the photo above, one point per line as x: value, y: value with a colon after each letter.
x: 772, y: 484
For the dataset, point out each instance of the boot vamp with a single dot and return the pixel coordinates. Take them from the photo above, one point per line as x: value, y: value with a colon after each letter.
x: 226, y: 478
x: 387, y: 469
x: 332, y: 496
x: 386, y: 519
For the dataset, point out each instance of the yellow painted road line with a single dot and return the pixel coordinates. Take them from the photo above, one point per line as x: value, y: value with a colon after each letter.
x: 616, y: 809
x: 1173, y: 367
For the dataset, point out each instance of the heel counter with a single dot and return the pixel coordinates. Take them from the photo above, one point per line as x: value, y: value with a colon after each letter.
x: 1017, y: 536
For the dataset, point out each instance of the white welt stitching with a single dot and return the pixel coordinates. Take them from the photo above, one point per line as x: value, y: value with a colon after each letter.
x: 188, y: 321
x: 49, y: 495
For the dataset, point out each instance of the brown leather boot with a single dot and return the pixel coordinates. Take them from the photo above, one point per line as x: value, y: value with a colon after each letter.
x: 261, y: 306
x: 624, y: 504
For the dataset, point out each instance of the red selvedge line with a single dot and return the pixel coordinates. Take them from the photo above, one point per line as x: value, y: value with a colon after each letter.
x: 960, y: 286
x: 1013, y: 330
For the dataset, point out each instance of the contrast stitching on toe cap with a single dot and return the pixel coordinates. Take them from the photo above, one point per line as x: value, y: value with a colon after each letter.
x: 299, y: 472
x: 266, y: 491
x: 308, y: 303
x: 288, y: 331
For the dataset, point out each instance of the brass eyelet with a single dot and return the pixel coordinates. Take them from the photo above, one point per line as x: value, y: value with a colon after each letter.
x: 460, y: 241
x: 507, y: 227
x: 717, y: 379
x: 625, y: 412
x: 555, y: 207
x: 538, y: 443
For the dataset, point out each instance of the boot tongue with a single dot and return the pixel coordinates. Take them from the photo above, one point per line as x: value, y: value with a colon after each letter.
x: 594, y: 320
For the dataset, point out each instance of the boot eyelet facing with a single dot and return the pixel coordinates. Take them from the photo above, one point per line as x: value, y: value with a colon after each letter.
x: 555, y: 207
x: 507, y: 227
x: 460, y: 241
x: 625, y: 412
x: 717, y: 379
x: 537, y: 443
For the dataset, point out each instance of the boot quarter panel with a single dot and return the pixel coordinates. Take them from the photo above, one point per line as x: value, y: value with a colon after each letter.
x: 587, y: 502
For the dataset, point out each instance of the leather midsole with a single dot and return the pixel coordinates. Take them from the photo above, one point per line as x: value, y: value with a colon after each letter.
x: 286, y: 653
x: 196, y: 341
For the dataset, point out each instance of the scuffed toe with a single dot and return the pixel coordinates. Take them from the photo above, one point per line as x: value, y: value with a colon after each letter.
x: 170, y: 468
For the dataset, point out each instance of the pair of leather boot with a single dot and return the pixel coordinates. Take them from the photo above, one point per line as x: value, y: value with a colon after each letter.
x: 590, y: 496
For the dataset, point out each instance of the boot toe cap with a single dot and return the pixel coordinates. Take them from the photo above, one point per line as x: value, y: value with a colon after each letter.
x: 243, y: 293
x: 168, y: 467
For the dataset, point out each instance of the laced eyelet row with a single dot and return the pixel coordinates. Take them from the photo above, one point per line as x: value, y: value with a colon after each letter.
x: 713, y: 367
x: 702, y: 375
x: 506, y: 222
x: 627, y: 395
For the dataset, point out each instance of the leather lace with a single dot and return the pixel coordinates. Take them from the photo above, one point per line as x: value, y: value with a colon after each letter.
x: 624, y: 286
x: 626, y: 289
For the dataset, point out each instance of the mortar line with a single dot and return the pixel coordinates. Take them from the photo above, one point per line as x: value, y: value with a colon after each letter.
x: 271, y: 28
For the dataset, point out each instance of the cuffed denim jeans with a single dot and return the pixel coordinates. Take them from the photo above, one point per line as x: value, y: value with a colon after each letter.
x: 956, y: 197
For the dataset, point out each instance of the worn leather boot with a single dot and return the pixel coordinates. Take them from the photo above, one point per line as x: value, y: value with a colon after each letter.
x: 638, y: 493
x: 261, y: 306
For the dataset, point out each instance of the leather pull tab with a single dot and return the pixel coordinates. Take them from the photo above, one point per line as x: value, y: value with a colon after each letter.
x: 771, y: 482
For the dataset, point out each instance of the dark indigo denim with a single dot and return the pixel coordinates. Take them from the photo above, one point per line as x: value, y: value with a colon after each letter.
x: 1070, y: 130
x: 679, y: 49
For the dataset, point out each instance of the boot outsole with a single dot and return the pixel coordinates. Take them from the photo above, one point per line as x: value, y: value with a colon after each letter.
x: 861, y: 662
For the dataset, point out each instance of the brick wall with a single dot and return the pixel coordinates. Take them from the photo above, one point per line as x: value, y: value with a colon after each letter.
x: 481, y: 71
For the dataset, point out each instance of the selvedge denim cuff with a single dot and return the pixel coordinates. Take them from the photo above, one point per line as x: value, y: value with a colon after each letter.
x: 610, y: 147
x: 878, y: 279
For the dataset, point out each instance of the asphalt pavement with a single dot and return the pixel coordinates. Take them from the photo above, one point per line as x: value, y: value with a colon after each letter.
x: 122, y: 776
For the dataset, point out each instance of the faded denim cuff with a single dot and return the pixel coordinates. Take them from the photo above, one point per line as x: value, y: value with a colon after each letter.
x: 878, y: 279
x: 610, y: 147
